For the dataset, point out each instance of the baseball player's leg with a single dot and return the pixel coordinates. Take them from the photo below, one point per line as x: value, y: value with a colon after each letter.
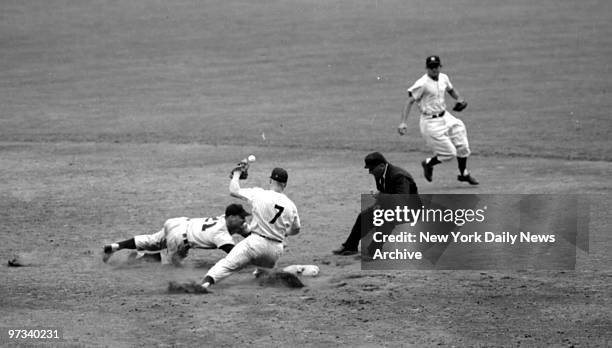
x: 149, y: 242
x: 440, y: 142
x: 238, y: 257
x: 458, y: 135
x: 266, y: 253
x: 435, y: 133
x: 254, y: 250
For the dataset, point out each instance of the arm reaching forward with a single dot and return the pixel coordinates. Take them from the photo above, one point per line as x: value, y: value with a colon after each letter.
x: 234, y: 186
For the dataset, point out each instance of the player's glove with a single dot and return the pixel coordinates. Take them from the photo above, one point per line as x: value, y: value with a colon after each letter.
x: 460, y: 106
x: 243, y: 168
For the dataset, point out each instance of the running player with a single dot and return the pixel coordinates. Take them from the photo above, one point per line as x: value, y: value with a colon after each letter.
x: 442, y: 131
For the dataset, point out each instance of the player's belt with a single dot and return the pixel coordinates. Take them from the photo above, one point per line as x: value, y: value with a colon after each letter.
x: 268, y: 238
x: 185, y: 240
x: 437, y: 115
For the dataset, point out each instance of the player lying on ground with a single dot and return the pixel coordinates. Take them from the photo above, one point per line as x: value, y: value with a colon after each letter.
x: 274, y: 217
x: 178, y: 235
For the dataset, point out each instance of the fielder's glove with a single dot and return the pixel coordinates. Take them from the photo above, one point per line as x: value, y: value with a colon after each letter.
x: 243, y: 168
x: 460, y: 106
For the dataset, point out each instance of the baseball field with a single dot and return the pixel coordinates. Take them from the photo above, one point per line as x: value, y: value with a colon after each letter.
x: 117, y: 115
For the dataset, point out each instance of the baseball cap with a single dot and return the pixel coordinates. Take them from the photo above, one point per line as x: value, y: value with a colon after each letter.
x: 433, y: 62
x: 279, y: 174
x: 236, y: 209
x: 373, y: 159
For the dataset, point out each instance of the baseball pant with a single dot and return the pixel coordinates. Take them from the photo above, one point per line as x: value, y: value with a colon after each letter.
x: 169, y: 241
x: 253, y: 250
x: 445, y: 135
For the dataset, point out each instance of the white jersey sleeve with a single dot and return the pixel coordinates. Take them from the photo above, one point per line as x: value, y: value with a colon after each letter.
x: 250, y: 193
x: 274, y: 214
x: 446, y: 81
x: 416, y: 90
x: 429, y: 94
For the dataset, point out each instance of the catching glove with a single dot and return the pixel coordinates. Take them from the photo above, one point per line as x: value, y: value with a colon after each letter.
x: 243, y: 168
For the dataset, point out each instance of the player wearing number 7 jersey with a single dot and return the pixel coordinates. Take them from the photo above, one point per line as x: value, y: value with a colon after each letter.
x: 274, y: 216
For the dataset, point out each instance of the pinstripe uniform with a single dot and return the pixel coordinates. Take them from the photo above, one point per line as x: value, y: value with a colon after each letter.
x: 180, y: 234
x: 274, y: 217
x: 444, y: 133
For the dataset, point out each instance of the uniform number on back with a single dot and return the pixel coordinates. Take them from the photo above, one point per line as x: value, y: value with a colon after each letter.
x: 278, y: 213
x: 209, y: 222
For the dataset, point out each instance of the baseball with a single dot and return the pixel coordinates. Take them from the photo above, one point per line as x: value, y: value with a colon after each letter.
x: 251, y: 158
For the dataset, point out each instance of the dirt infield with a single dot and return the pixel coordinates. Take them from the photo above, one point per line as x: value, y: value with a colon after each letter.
x: 59, y: 212
x: 117, y: 116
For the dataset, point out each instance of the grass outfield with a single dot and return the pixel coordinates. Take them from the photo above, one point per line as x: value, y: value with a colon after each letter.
x: 115, y: 116
x: 314, y: 74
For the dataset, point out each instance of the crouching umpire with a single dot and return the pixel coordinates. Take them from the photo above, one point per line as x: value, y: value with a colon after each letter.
x: 390, y: 179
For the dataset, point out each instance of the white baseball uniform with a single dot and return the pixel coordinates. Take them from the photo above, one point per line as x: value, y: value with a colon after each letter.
x: 442, y: 131
x: 274, y: 215
x: 180, y: 234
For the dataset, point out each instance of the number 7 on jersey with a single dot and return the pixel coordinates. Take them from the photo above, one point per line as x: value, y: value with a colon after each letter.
x: 278, y: 213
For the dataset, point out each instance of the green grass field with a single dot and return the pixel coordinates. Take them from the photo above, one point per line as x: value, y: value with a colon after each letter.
x: 115, y: 116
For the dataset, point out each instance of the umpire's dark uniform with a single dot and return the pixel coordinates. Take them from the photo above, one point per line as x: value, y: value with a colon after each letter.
x: 390, y: 179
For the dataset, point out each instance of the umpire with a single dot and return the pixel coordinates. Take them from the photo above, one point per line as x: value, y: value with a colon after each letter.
x: 390, y: 179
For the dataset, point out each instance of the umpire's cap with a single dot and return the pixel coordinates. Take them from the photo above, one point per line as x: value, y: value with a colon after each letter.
x: 236, y: 209
x: 433, y: 62
x: 373, y: 159
x: 280, y: 175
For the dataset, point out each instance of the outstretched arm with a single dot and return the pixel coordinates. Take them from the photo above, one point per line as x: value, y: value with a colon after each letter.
x: 234, y: 186
x: 403, y: 126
